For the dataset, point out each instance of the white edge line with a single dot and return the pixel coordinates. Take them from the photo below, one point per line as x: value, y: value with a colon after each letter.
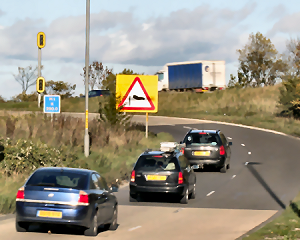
x: 225, y: 123
x: 134, y: 228
x: 229, y: 138
x: 187, y: 127
x: 233, y: 176
x: 210, y: 193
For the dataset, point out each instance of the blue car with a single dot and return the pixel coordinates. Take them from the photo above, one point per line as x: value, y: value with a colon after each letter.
x: 97, y: 93
x: 71, y: 196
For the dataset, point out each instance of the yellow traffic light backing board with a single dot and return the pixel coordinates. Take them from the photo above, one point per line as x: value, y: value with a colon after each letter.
x: 42, y: 80
x: 137, y: 93
x: 41, y: 39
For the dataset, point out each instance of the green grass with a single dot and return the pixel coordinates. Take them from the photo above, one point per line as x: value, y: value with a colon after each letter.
x: 286, y: 226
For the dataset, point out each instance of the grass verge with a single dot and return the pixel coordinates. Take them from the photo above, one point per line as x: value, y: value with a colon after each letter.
x: 34, y: 141
x: 286, y: 226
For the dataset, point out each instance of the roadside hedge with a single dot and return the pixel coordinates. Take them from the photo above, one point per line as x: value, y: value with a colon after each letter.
x: 24, y: 156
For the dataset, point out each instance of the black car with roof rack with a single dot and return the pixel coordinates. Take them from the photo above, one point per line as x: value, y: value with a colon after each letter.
x: 207, y: 147
x: 164, y: 171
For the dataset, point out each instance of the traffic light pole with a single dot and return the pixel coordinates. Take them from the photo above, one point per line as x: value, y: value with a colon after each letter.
x: 39, y: 72
x: 86, y: 133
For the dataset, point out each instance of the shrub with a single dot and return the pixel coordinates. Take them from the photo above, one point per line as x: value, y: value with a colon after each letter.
x: 289, y: 97
x: 24, y: 156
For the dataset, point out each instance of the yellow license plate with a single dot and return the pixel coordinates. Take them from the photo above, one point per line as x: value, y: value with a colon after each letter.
x: 49, y: 214
x: 156, y: 178
x: 202, y: 153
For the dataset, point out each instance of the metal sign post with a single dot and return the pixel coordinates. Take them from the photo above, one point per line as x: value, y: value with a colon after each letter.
x: 146, y: 124
x: 41, y: 42
x: 39, y: 73
x: 86, y: 132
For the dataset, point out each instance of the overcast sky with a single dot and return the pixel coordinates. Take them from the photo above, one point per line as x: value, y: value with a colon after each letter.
x: 141, y: 35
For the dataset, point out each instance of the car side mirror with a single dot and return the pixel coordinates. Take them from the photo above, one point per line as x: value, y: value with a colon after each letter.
x: 114, y: 188
x: 230, y: 143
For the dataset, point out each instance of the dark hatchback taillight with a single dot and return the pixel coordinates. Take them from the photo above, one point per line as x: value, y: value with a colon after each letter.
x: 222, y: 150
x: 132, y: 178
x: 180, y: 178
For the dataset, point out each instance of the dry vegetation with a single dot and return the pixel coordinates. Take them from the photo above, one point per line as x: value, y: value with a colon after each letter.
x: 112, y: 150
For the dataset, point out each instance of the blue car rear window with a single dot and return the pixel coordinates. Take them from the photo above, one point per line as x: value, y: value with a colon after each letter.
x: 59, y: 179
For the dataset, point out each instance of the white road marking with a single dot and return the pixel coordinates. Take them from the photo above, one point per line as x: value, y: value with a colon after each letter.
x: 210, y: 193
x: 233, y: 176
x: 246, y: 163
x: 229, y: 138
x: 178, y: 210
x: 195, y: 128
x: 187, y: 127
x: 131, y: 229
x: 170, y: 124
x: 243, y: 144
x: 249, y: 152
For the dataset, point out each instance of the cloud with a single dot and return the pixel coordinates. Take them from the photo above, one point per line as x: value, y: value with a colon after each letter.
x: 117, y: 37
x: 1, y: 13
x: 277, y: 12
x: 289, y: 24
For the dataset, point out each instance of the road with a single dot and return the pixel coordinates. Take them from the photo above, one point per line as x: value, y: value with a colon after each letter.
x: 262, y: 180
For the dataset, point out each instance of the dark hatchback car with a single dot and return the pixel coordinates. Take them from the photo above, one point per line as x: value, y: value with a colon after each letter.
x: 75, y: 197
x: 207, y: 147
x: 163, y: 172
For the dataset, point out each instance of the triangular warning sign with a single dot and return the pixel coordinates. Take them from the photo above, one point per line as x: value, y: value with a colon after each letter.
x: 136, y: 97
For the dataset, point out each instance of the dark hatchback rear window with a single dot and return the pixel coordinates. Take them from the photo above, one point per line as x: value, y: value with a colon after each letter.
x: 157, y: 163
x: 59, y: 179
x: 200, y: 139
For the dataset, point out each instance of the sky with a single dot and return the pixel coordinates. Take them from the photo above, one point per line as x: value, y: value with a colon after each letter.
x: 140, y: 35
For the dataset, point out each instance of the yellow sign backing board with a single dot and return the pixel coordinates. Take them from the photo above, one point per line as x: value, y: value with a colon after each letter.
x: 137, y: 93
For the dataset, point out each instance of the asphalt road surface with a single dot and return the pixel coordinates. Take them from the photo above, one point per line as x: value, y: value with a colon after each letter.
x: 263, y: 178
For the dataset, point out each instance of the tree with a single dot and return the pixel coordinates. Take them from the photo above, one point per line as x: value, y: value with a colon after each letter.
x: 59, y: 88
x: 289, y: 98
x: 260, y: 63
x: 26, y: 77
x: 293, y: 57
x: 111, y: 114
x: 97, y: 73
x: 110, y: 81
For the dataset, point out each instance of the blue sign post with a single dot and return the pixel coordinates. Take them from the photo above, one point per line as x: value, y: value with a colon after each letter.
x: 51, y: 104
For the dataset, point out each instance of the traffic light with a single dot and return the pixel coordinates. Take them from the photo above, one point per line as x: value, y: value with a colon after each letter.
x: 40, y: 84
x: 41, y: 40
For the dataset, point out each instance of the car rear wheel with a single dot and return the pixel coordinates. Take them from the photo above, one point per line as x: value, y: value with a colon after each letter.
x: 93, y: 229
x: 133, y: 198
x: 193, y: 194
x: 114, y: 224
x: 185, y: 198
x: 223, y: 169
x: 22, y: 226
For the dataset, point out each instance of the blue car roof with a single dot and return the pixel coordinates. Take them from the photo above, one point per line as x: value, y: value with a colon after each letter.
x: 65, y: 169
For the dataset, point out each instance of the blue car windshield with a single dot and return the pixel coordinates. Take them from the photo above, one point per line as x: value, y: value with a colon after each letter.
x: 59, y: 179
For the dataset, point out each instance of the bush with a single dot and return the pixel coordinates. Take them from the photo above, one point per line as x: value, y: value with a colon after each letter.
x: 24, y: 156
x: 289, y: 97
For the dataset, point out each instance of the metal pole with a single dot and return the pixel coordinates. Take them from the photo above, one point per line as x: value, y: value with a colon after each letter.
x: 39, y: 73
x: 146, y: 125
x: 86, y: 134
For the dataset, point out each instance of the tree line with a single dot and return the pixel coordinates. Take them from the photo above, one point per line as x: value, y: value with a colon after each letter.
x: 261, y: 65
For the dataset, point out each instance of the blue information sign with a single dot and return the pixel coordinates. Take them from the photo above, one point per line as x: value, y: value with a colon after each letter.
x: 51, y: 104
